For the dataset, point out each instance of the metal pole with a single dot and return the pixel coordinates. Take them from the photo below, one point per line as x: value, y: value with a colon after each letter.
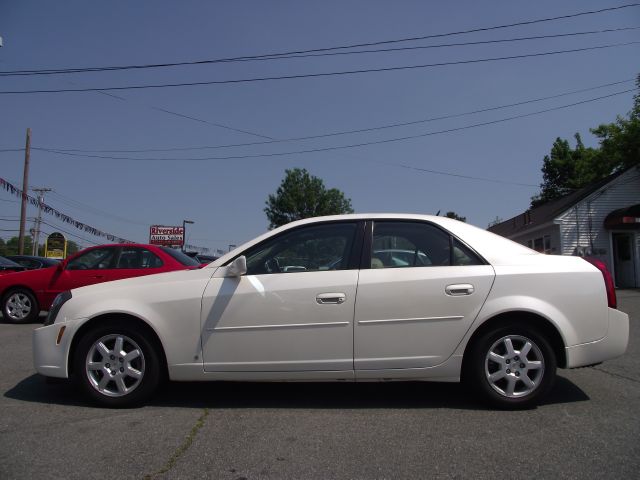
x: 25, y: 189
x: 36, y: 236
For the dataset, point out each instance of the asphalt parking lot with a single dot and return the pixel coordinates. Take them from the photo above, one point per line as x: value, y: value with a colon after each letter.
x: 588, y: 428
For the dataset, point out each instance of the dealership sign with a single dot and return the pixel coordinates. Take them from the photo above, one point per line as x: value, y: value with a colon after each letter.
x: 55, y: 246
x: 167, y: 236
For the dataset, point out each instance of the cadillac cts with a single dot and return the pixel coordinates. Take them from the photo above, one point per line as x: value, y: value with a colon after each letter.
x: 350, y: 297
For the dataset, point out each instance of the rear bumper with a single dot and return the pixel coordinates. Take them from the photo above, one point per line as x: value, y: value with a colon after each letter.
x: 612, y: 345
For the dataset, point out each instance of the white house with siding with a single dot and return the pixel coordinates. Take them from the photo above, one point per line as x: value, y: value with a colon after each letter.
x: 601, y: 220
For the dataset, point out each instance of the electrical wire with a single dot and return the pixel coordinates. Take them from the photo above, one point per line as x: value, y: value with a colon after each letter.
x: 340, y: 147
x: 187, y: 117
x: 340, y: 47
x: 339, y: 133
x: 82, y: 206
x: 316, y: 75
x: 70, y: 233
x: 305, y: 55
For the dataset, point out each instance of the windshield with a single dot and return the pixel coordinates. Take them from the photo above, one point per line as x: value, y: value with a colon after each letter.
x: 183, y: 258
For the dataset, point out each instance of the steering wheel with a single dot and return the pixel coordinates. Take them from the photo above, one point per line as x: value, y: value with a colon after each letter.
x: 272, y: 265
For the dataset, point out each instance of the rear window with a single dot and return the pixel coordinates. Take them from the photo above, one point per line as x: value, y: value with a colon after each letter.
x: 181, y: 257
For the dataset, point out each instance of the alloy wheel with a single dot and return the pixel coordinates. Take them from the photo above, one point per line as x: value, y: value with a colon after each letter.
x: 18, y: 306
x: 514, y: 366
x: 115, y: 365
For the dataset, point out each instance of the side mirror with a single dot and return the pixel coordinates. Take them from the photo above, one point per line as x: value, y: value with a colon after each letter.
x: 237, y: 268
x: 60, y: 266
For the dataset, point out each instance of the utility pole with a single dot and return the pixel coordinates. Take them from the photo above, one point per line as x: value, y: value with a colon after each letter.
x: 36, y: 235
x: 25, y: 189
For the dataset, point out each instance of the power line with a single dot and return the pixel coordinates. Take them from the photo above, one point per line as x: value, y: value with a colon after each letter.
x: 469, y: 177
x: 341, y: 147
x: 317, y: 75
x: 188, y: 117
x: 52, y: 211
x: 82, y: 206
x: 340, y: 47
x: 70, y: 233
x: 339, y: 133
x: 305, y: 55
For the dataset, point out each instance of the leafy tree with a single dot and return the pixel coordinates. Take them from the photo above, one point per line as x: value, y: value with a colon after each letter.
x: 566, y: 169
x: 11, y: 247
x: 72, y: 247
x: 301, y: 195
x: 620, y: 141
x: 455, y: 216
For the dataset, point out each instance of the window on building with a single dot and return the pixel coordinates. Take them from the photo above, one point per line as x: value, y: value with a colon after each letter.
x: 541, y: 244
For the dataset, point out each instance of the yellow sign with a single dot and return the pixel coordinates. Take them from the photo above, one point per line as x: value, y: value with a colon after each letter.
x: 56, y: 246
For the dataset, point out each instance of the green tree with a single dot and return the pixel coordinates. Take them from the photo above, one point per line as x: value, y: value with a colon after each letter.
x: 455, y: 216
x: 301, y: 195
x: 620, y: 141
x: 10, y: 247
x: 566, y: 169
x: 72, y: 247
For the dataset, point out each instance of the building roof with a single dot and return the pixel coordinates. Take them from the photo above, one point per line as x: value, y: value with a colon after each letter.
x: 545, y: 213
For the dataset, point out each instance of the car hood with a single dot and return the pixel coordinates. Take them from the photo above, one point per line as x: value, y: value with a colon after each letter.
x: 29, y: 277
x: 131, y: 285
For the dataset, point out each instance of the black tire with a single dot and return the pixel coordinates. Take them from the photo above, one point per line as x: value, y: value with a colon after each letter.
x: 26, y: 298
x: 495, y: 392
x: 149, y: 363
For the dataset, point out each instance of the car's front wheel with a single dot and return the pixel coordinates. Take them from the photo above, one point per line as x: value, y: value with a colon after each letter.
x: 511, y: 367
x: 20, y: 306
x: 117, y: 366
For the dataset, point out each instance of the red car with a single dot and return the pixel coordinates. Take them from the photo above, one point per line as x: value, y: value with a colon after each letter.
x: 24, y: 294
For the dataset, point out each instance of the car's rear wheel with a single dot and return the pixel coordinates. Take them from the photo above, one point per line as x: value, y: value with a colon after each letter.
x: 511, y: 367
x: 117, y: 366
x: 20, y: 306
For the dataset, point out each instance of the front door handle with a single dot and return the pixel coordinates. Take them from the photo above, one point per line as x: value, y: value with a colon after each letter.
x: 331, y: 298
x: 459, y: 289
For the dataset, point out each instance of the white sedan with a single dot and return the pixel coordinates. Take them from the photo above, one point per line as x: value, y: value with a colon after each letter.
x: 321, y: 299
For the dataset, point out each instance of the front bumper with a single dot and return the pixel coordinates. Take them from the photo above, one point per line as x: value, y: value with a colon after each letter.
x: 612, y: 345
x: 50, y: 358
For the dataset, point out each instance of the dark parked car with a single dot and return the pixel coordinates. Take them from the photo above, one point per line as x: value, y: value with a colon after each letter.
x: 9, y: 266
x: 31, y: 262
x: 202, y: 258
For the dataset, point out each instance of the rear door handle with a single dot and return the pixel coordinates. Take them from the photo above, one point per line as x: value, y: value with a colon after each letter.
x: 331, y: 298
x: 459, y: 289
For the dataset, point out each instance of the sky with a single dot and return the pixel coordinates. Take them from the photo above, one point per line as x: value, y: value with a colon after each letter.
x: 225, y: 197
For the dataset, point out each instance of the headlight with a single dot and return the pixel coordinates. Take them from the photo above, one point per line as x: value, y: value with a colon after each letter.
x: 56, y: 306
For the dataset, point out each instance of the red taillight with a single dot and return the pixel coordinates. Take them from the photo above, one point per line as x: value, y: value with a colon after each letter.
x: 608, y: 281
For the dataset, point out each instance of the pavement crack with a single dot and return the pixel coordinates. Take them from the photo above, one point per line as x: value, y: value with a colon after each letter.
x: 181, y: 450
x: 635, y: 380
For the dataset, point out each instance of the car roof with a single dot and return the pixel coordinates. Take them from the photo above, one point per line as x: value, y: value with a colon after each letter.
x: 494, y: 248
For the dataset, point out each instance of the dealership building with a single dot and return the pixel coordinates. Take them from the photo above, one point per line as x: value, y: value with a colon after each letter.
x: 601, y: 220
